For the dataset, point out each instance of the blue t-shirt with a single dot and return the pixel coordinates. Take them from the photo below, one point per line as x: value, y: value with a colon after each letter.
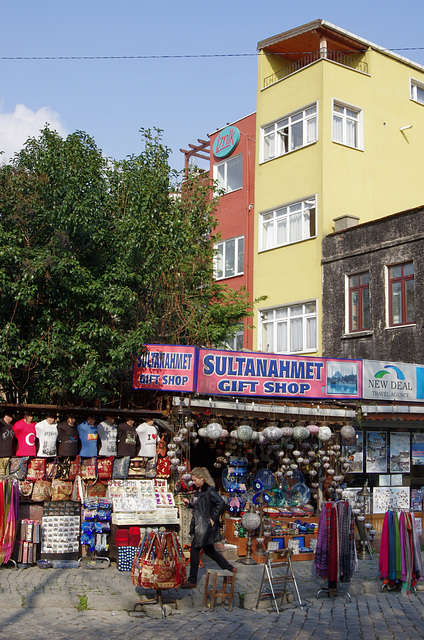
x: 89, y: 436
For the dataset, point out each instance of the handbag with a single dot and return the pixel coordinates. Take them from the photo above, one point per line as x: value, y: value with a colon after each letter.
x: 41, y: 491
x: 96, y: 490
x: 61, y: 490
x: 137, y: 468
x: 169, y: 564
x: 4, y: 466
x: 63, y: 466
x: 147, y: 577
x: 36, y: 469
x: 151, y: 468
x: 88, y: 468
x: 104, y: 468
x: 163, y: 467
x: 137, y: 564
x: 18, y: 467
x: 25, y: 488
x: 120, y: 468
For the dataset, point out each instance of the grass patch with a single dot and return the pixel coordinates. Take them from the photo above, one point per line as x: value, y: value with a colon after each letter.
x: 83, y: 603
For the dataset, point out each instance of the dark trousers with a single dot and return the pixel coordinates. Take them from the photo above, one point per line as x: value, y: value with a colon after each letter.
x: 210, y: 551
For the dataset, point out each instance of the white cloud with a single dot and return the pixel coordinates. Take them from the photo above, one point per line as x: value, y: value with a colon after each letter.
x: 17, y: 127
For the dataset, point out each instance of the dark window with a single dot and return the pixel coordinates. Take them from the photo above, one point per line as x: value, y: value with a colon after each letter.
x: 359, y: 302
x: 401, y: 294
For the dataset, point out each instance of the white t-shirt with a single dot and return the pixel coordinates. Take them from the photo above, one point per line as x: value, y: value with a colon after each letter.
x: 148, y: 435
x: 47, y: 439
x: 107, y: 435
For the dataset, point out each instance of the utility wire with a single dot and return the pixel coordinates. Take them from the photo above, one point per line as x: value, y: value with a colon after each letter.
x: 200, y: 55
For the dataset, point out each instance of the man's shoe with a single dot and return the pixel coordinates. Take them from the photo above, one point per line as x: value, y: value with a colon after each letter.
x: 188, y: 585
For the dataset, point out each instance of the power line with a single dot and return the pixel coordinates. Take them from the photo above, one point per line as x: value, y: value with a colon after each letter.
x: 199, y: 55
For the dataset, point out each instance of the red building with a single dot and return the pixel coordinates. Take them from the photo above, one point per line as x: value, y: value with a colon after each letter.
x: 230, y: 152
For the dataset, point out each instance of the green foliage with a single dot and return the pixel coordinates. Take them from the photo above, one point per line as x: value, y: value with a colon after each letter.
x: 97, y: 258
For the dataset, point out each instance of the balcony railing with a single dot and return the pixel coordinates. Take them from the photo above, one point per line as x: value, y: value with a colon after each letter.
x: 335, y: 56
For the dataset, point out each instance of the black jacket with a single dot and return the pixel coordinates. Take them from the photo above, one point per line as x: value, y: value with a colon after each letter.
x: 207, y: 504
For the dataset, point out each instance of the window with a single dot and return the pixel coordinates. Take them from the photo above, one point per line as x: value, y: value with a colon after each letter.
x: 289, y: 133
x: 347, y: 125
x: 229, y: 257
x: 401, y: 294
x: 236, y: 342
x: 417, y: 91
x: 288, y: 224
x: 291, y: 329
x: 229, y: 174
x: 359, y: 302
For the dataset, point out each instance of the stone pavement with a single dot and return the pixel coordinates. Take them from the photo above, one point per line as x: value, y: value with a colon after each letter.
x: 95, y: 604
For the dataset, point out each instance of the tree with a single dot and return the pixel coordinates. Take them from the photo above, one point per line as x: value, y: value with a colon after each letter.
x: 97, y: 258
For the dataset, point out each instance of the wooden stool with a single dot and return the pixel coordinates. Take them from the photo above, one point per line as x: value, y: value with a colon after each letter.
x: 229, y: 579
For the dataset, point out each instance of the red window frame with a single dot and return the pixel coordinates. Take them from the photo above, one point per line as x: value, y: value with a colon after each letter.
x: 359, y: 289
x: 399, y: 277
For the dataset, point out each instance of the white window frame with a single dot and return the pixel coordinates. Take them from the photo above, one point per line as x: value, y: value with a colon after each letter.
x: 350, y: 114
x: 280, y: 133
x: 224, y: 164
x: 272, y: 218
x: 238, y: 248
x: 272, y: 316
x: 236, y: 342
x: 416, y: 90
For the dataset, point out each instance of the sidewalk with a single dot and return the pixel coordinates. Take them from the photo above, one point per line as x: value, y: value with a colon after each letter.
x: 107, y: 589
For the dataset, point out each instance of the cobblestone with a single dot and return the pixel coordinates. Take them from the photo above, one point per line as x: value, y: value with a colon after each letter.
x: 39, y: 601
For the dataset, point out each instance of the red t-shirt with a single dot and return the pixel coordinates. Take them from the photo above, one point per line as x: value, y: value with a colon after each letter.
x: 25, y: 435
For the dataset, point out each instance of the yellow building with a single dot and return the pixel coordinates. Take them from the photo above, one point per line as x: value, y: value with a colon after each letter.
x: 340, y: 137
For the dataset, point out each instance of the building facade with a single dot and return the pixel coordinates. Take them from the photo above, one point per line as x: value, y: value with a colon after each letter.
x: 338, y: 120
x: 230, y: 154
x: 372, y: 289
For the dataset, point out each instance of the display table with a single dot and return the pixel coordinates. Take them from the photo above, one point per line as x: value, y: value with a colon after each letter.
x: 283, y: 522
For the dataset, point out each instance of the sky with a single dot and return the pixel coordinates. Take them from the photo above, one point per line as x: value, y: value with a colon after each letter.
x: 186, y: 97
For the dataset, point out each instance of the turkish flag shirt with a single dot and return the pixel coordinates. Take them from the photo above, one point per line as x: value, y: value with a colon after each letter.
x: 147, y: 434
x: 25, y: 435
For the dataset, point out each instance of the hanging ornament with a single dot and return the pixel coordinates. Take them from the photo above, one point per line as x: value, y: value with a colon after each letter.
x: 286, y: 432
x: 324, y: 434
x: 244, y: 432
x: 313, y: 429
x: 348, y: 433
x: 300, y: 433
x: 202, y: 432
x: 272, y: 433
x: 214, y: 430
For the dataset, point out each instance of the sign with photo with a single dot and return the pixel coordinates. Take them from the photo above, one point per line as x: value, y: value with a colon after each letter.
x: 400, y: 453
x: 354, y: 454
x: 385, y: 498
x: 376, y: 453
x: 417, y: 449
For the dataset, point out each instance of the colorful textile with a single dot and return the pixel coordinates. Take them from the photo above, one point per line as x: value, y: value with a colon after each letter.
x: 400, y: 553
x: 335, y: 556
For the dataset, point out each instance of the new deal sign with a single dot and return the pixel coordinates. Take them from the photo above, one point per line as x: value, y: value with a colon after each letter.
x: 392, y: 381
x: 226, y: 141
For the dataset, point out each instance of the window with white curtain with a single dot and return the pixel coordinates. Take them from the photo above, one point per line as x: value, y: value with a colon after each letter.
x: 417, y: 91
x: 287, y: 224
x: 289, y: 329
x: 290, y: 133
x: 229, y: 258
x: 347, y: 125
